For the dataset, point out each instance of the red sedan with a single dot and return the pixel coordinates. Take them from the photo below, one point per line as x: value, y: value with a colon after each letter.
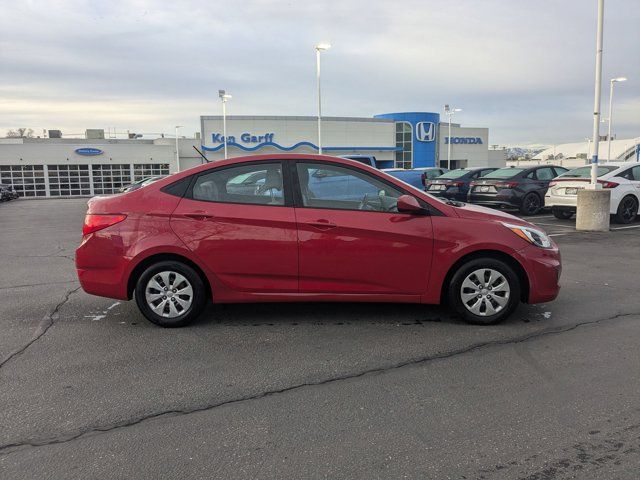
x: 295, y: 228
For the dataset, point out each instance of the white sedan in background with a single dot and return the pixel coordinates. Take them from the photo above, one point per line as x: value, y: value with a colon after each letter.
x: 623, y: 179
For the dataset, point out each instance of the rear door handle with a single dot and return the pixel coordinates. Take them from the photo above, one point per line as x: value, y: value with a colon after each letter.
x: 322, y: 225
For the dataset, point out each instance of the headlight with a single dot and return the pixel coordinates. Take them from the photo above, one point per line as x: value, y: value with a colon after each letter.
x: 531, y: 235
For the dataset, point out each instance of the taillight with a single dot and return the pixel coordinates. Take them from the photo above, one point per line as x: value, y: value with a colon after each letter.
x: 457, y: 184
x: 507, y: 185
x: 94, y: 222
x: 423, y: 178
x: 606, y: 184
x: 552, y: 184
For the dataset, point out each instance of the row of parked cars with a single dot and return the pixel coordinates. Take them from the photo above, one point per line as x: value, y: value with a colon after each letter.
x: 530, y: 189
x: 7, y: 193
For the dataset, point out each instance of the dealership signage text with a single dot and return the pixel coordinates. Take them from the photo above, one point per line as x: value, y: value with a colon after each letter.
x: 245, y: 138
x: 464, y: 140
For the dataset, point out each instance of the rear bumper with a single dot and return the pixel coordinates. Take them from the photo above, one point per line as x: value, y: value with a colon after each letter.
x: 503, y: 198
x: 543, y: 267
x: 453, y: 193
x: 561, y: 201
x: 102, y: 267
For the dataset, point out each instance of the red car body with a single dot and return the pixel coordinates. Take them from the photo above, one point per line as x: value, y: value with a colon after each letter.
x: 258, y: 253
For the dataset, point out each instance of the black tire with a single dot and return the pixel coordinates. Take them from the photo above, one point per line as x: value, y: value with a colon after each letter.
x: 627, y: 210
x: 531, y: 204
x: 184, y: 317
x: 561, y: 213
x: 455, y: 292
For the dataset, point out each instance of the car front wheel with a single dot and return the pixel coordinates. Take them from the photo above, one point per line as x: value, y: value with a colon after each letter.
x: 484, y: 291
x: 170, y: 294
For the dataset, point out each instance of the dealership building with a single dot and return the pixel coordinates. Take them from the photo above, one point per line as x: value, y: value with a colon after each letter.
x: 68, y: 167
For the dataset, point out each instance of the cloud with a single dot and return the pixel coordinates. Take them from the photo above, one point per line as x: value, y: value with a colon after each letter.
x: 524, y: 69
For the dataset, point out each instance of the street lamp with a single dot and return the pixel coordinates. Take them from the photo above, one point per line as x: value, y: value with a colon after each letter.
x: 449, y: 112
x: 319, y: 48
x: 177, y: 149
x: 224, y: 97
x: 612, y: 82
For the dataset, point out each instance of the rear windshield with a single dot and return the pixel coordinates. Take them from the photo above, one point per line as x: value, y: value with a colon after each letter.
x: 504, y: 173
x: 455, y: 173
x: 585, y: 172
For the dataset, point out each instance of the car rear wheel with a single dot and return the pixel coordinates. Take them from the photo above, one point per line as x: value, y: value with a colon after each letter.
x: 484, y: 291
x: 531, y: 204
x: 561, y: 213
x: 170, y: 294
x: 627, y: 210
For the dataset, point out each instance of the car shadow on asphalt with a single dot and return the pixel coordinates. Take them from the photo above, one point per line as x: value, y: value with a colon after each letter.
x: 314, y: 313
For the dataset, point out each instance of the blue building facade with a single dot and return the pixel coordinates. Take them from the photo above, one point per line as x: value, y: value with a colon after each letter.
x: 417, y: 135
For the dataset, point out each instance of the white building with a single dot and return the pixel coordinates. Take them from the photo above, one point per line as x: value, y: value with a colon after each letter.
x: 66, y: 167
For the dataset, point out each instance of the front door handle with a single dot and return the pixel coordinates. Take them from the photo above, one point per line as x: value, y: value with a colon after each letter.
x: 322, y: 225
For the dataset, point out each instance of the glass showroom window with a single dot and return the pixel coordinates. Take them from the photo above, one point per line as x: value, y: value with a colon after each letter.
x: 69, y: 180
x: 144, y: 170
x: 108, y: 178
x: 27, y: 180
x: 404, y: 157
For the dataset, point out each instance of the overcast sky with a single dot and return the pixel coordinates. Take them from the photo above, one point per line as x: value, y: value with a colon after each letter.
x: 524, y: 68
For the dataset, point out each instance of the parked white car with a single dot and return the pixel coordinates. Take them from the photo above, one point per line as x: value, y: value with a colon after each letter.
x: 623, y: 179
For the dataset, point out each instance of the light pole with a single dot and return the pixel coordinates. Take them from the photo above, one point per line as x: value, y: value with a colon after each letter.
x: 319, y: 48
x: 177, y: 149
x: 594, y: 202
x: 612, y: 82
x: 596, y: 100
x: 449, y: 112
x: 224, y: 97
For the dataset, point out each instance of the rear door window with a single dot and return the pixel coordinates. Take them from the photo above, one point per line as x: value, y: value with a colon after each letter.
x: 259, y: 184
x: 546, y: 173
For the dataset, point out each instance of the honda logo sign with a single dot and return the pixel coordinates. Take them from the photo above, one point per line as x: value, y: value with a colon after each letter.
x: 425, y: 131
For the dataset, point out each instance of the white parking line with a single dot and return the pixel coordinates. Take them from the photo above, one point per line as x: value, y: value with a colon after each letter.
x: 624, y: 228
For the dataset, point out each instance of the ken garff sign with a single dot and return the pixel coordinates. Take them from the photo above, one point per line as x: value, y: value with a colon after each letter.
x: 88, y: 151
x: 425, y: 131
x: 245, y: 138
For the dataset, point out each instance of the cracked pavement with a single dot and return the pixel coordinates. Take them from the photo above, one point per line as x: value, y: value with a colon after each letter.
x: 89, y: 389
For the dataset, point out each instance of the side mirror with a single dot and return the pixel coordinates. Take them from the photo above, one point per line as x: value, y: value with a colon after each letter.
x: 409, y: 204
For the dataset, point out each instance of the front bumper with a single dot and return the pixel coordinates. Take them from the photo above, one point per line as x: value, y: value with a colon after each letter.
x: 543, y: 267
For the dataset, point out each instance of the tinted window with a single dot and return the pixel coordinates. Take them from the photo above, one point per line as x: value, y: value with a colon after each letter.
x: 505, y: 172
x: 252, y: 184
x: 455, y: 173
x: 585, y: 172
x: 545, y: 173
x: 329, y: 186
x: 560, y: 170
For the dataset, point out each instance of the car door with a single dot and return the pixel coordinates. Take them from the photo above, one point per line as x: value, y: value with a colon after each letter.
x: 543, y: 177
x: 246, y: 236
x: 359, y: 245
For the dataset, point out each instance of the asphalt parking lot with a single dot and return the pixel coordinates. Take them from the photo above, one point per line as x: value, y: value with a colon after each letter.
x: 90, y: 389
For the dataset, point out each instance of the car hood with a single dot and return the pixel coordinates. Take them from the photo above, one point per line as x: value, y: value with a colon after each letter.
x: 476, y: 212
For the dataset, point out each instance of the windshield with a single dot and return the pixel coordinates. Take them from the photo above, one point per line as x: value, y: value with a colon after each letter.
x: 455, y: 173
x: 585, y: 172
x: 504, y: 173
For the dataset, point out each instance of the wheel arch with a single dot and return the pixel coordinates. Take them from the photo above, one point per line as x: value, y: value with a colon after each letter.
x: 162, y: 257
x: 495, y: 254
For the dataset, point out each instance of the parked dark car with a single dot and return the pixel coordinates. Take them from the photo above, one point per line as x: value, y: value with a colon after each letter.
x: 454, y: 185
x: 416, y: 177
x: 515, y: 187
x: 7, y: 193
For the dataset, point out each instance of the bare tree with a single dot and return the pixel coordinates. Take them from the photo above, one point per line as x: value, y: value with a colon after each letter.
x: 22, y: 132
